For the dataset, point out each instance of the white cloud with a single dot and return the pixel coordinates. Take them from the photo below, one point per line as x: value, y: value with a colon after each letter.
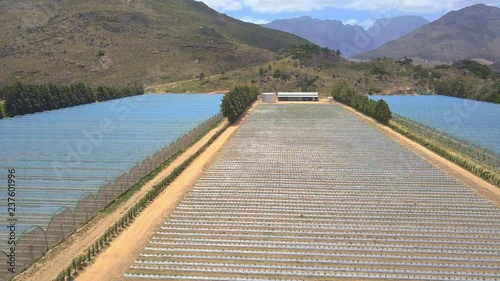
x: 365, y: 23
x: 224, y: 5
x: 253, y: 20
x: 280, y: 6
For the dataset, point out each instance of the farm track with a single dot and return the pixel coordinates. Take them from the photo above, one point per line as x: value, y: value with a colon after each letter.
x: 314, y: 193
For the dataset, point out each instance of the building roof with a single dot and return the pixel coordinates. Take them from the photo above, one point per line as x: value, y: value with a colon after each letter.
x: 297, y: 95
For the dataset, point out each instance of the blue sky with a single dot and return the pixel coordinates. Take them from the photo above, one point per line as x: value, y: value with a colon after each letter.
x: 362, y: 12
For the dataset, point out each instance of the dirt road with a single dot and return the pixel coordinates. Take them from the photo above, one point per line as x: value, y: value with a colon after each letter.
x: 115, y: 260
x: 175, y: 84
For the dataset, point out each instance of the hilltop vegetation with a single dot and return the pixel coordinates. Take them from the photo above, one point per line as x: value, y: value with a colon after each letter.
x: 114, y: 42
x: 482, y: 84
x: 461, y: 88
x: 308, y: 68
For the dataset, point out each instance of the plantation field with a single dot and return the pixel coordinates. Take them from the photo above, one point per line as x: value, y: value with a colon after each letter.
x: 473, y: 121
x: 308, y: 192
x: 68, y: 164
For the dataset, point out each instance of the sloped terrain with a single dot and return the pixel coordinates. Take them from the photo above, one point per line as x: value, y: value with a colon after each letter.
x: 122, y: 41
x: 349, y: 39
x: 470, y: 33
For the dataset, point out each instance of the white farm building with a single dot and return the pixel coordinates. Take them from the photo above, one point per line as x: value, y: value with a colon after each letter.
x: 287, y: 96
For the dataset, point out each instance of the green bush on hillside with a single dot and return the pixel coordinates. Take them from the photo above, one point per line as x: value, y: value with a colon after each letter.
x: 237, y: 101
x: 456, y: 87
x: 488, y: 91
x: 480, y: 70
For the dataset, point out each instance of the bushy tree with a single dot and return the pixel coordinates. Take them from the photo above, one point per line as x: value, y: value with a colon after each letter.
x: 343, y: 93
x: 456, y: 87
x: 237, y: 101
x: 480, y: 70
x: 382, y: 112
x: 378, y: 110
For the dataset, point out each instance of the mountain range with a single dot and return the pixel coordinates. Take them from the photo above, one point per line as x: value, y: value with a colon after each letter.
x: 117, y: 41
x: 161, y: 41
x: 349, y: 39
x: 469, y: 33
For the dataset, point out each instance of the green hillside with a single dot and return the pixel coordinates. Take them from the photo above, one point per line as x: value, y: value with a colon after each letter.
x: 317, y: 69
x: 122, y: 41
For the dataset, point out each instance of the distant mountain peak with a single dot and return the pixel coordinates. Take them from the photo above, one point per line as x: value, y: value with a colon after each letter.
x: 334, y: 34
x: 469, y: 33
x: 478, y: 6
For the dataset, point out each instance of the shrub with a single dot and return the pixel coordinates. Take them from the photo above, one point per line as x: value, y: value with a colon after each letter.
x: 307, y: 83
x: 342, y: 92
x: 277, y: 73
x: 442, y: 66
x: 382, y: 112
x: 481, y: 71
x: 379, y: 70
x: 455, y: 88
x: 201, y: 76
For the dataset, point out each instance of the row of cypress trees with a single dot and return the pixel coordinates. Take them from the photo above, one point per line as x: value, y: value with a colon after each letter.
x: 378, y: 110
x: 237, y: 101
x: 23, y: 98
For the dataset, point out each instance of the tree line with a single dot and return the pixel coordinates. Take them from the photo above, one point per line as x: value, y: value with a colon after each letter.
x: 23, y: 98
x: 462, y: 88
x: 378, y: 110
x: 237, y: 101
